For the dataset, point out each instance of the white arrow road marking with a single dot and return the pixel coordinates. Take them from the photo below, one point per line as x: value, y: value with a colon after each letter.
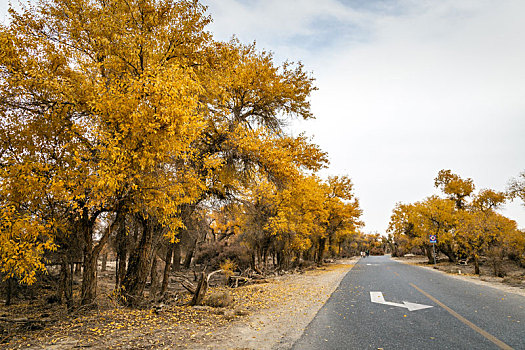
x: 377, y: 297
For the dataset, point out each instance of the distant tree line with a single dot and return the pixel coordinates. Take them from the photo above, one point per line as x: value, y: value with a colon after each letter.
x: 467, y: 224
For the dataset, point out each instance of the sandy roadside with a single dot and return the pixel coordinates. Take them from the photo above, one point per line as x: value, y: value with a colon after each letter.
x: 299, y: 298
x: 479, y: 280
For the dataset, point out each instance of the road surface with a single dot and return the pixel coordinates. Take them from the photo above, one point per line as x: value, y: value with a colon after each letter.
x: 384, y: 304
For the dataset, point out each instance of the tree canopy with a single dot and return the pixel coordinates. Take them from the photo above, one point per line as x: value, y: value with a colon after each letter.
x: 466, y: 224
x: 124, y: 122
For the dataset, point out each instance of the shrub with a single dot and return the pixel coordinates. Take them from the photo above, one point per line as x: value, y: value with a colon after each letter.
x: 216, y: 253
x: 377, y: 251
x: 219, y: 299
x: 228, y: 266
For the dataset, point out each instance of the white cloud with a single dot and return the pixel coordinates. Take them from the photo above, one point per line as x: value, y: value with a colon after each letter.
x: 429, y: 92
x: 404, y: 92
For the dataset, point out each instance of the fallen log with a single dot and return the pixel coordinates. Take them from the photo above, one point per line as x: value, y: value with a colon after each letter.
x: 186, y: 284
x: 26, y: 323
x: 20, y: 320
x: 236, y: 281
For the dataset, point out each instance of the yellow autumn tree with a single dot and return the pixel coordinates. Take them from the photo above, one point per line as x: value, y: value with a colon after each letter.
x: 247, y: 98
x: 464, y: 228
x: 343, y: 211
x: 438, y: 217
x: 104, y: 114
x: 402, y: 229
x: 297, y: 225
x: 482, y: 230
x: 417, y: 221
x: 127, y: 114
x: 455, y: 187
x: 300, y: 220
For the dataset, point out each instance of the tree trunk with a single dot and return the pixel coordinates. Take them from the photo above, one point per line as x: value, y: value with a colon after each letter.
x: 77, y: 268
x: 120, y: 270
x: 9, y: 291
x: 176, y: 256
x: 449, y: 252
x: 89, y: 276
x: 497, y: 260
x: 91, y: 253
x: 265, y: 259
x: 154, y: 277
x: 430, y: 255
x: 104, y: 262
x: 65, y: 287
x: 89, y: 273
x: 259, y: 258
x: 189, y: 254
x: 122, y: 251
x: 476, y: 265
x: 320, y: 251
x: 331, y: 245
x: 167, y: 266
x: 200, y: 292
x: 139, y: 263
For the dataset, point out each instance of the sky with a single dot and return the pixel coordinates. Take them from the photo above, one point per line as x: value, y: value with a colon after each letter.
x: 406, y: 88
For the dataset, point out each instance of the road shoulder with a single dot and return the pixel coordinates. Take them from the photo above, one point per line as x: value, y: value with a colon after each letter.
x: 479, y: 280
x: 296, y: 301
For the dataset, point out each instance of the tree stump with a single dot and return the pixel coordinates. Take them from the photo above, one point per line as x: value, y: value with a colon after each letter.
x: 202, y: 287
x: 200, y: 292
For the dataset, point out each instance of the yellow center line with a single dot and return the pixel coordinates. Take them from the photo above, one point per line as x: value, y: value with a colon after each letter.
x: 395, y: 273
x: 487, y: 335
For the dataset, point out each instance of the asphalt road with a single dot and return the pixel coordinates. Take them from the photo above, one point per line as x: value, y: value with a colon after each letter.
x: 463, y: 315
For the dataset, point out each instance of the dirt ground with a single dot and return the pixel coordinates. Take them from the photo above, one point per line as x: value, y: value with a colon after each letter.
x: 269, y: 315
x: 513, y: 282
x: 292, y: 303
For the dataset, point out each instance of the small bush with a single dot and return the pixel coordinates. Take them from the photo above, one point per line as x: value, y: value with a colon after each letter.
x: 377, y: 251
x: 219, y: 299
x: 304, y: 264
x: 228, y: 266
x: 213, y: 254
x: 208, y: 254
